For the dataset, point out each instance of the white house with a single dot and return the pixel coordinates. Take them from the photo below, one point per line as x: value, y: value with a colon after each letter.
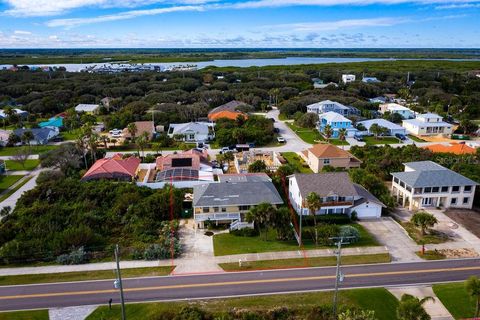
x: 87, y: 108
x: 328, y: 105
x: 427, y: 184
x: 393, y: 128
x: 405, y: 112
x: 338, y: 195
x: 192, y: 131
x: 19, y: 112
x: 370, y: 80
x: 346, y: 78
x: 427, y: 124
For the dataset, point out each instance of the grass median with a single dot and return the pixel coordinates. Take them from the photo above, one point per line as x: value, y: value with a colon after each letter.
x: 30, y: 164
x: 378, y: 299
x: 456, y: 299
x: 25, y: 315
x: 84, y: 275
x: 306, y: 262
x: 12, y: 190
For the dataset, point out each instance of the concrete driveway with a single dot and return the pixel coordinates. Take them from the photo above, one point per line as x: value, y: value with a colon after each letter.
x: 390, y: 234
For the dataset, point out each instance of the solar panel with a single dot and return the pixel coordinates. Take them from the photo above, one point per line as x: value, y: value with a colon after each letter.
x: 177, y: 174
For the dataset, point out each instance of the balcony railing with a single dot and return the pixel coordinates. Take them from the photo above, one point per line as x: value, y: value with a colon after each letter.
x: 336, y: 203
x: 217, y: 216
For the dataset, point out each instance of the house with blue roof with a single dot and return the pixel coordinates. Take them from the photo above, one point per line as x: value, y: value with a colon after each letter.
x: 336, y: 122
x: 55, y: 122
x: 40, y: 135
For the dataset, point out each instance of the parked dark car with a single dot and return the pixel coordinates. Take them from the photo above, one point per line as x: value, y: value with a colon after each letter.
x: 358, y: 138
x: 400, y: 136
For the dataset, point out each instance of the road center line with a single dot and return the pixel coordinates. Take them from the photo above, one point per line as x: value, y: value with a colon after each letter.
x: 227, y: 283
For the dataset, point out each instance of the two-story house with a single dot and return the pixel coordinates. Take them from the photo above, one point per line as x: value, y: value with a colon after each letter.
x: 336, y: 122
x: 347, y: 78
x: 427, y: 124
x: 328, y: 105
x: 405, y: 112
x: 228, y: 201
x: 321, y: 155
x: 338, y: 194
x: 428, y: 184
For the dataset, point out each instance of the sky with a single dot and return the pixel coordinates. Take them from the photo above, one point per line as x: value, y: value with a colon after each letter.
x: 239, y: 23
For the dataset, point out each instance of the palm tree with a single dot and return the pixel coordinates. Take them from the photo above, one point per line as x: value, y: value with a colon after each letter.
x: 105, y: 141
x: 142, y: 142
x: 423, y: 220
x: 342, y: 133
x: 113, y: 141
x: 132, y: 129
x: 93, y: 144
x: 27, y: 136
x: 82, y: 146
x: 328, y: 131
x: 314, y: 203
x: 411, y: 308
x: 375, y: 129
x: 473, y: 288
x: 261, y: 215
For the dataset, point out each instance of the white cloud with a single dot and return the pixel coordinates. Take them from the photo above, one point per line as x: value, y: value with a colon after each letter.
x: 27, y: 8
x: 68, y: 23
x: 291, y: 3
x: 20, y: 32
x: 339, y: 24
x: 458, y: 6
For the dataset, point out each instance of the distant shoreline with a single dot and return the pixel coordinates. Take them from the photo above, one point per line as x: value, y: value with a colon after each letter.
x: 177, y: 55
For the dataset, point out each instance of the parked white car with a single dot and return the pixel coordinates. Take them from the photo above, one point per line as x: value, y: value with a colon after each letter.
x: 281, y: 139
x: 115, y: 132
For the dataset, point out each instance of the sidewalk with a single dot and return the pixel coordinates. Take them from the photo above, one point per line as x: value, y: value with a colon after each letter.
x: 12, y: 200
x: 194, y: 262
x: 435, y: 309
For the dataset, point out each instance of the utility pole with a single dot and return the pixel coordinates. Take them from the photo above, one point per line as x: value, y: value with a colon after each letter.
x: 339, y: 275
x: 119, y: 282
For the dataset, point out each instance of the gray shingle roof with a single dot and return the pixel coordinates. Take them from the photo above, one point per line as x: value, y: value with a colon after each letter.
x: 39, y: 134
x: 250, y: 177
x: 325, y: 184
x: 431, y: 174
x: 366, y: 196
x: 235, y: 193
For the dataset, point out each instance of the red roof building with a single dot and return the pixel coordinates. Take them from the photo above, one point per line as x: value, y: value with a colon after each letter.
x: 115, y: 168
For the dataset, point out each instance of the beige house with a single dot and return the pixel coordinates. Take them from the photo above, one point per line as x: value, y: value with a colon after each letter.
x: 321, y: 155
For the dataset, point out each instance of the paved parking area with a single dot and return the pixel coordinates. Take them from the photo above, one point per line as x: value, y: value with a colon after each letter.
x: 390, y: 234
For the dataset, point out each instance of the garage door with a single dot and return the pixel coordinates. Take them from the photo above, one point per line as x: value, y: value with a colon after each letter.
x: 368, y: 211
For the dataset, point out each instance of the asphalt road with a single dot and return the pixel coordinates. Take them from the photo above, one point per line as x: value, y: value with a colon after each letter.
x: 234, y: 284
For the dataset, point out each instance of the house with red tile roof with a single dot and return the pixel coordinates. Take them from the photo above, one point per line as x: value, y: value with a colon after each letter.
x: 114, y: 168
x: 455, y: 148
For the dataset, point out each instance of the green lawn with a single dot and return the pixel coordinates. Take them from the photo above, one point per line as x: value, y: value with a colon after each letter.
x: 378, y: 299
x: 10, y: 151
x: 414, y: 138
x: 30, y: 164
x: 338, y: 142
x: 433, y: 237
x: 70, y: 135
x: 295, y: 160
x: 456, y: 299
x: 12, y: 190
x: 7, y: 181
x: 227, y: 244
x: 282, y: 117
x: 381, y: 140
x: 306, y: 262
x: 311, y: 136
x: 25, y: 315
x: 81, y: 276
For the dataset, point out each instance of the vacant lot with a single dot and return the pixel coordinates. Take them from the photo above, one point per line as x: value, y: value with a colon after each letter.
x: 470, y: 219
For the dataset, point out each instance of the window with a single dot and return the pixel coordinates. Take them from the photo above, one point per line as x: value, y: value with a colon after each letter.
x: 395, y: 180
x: 427, y: 189
x: 467, y: 189
x: 409, y: 189
x: 243, y: 208
x: 215, y: 209
x: 456, y: 189
x: 453, y: 201
x: 206, y: 209
x: 224, y: 209
x: 444, y: 189
x: 466, y: 200
x: 326, y: 161
x: 418, y: 190
x: 402, y: 184
x: 435, y: 189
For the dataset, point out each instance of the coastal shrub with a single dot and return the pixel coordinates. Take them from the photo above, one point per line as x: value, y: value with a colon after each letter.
x: 77, y: 256
x: 351, y: 232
